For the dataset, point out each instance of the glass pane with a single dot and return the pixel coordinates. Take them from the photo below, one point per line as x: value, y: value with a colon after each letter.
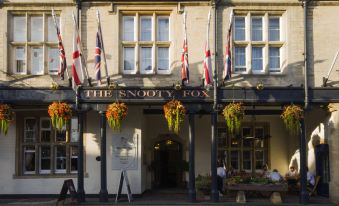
x: 19, y: 28
x: 146, y: 58
x: 29, y: 159
x: 60, y: 135
x: 222, y: 138
x: 129, y: 61
x: 128, y: 28
x: 74, y: 130
x: 247, y: 160
x: 37, y: 33
x: 247, y: 136
x: 240, y: 59
x: 163, y: 58
x: 30, y: 129
x: 37, y: 61
x: 60, y: 155
x: 274, y: 29
x: 257, y: 60
x: 45, y: 136
x: 146, y: 28
x: 239, y: 28
x: 235, y: 160
x: 259, y: 159
x: 256, y: 29
x: 20, y: 62
x: 52, y: 33
x: 74, y: 158
x: 53, y: 60
x: 274, y: 58
x: 163, y: 29
x: 45, y: 156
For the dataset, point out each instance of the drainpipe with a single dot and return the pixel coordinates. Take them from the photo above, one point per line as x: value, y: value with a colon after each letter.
x: 306, y: 54
x: 214, y: 192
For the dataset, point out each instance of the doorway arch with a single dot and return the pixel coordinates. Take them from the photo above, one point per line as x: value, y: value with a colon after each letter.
x: 167, y: 163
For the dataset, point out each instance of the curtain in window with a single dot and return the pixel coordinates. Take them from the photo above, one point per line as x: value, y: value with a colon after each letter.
x: 37, y: 33
x: 20, y: 59
x: 257, y: 29
x: 163, y: 29
x: 274, y: 58
x: 19, y: 29
x: 163, y: 59
x: 274, y: 29
x: 129, y: 58
x: 51, y: 33
x: 257, y: 60
x: 146, y: 29
x: 37, y: 61
x: 146, y: 58
x: 239, y: 28
x: 240, y: 59
x: 128, y: 28
x: 53, y: 60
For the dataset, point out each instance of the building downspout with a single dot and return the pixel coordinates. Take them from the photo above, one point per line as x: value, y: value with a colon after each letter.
x: 306, y: 54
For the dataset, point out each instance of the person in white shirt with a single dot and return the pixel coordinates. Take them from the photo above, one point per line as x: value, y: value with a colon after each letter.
x: 310, y: 178
x: 221, y: 174
x: 275, y: 176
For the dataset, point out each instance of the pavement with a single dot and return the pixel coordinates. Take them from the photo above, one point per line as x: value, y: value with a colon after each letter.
x: 168, y: 197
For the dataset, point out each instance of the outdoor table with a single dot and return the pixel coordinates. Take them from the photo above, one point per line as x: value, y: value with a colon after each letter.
x: 274, y: 188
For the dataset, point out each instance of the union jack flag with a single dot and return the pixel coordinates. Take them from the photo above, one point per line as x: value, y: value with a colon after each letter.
x: 184, y: 57
x: 97, y: 58
x: 62, y: 56
x: 207, y: 60
x: 228, y: 58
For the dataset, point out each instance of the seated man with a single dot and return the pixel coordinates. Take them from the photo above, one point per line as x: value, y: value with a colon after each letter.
x: 275, y: 176
x: 292, y: 174
x: 265, y: 172
x: 310, y: 178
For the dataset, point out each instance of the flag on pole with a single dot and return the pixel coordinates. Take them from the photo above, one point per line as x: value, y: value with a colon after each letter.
x: 97, y: 58
x: 63, y: 65
x: 184, y: 56
x: 77, y: 74
x: 227, y: 74
x: 207, y: 60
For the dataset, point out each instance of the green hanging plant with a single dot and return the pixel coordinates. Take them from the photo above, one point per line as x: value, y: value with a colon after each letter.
x: 6, y: 116
x: 233, y: 114
x: 60, y: 113
x: 115, y: 113
x: 291, y: 116
x: 174, y: 112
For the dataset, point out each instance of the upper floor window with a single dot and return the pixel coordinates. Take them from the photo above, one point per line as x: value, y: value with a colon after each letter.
x: 258, y: 43
x: 33, y: 44
x: 145, y: 43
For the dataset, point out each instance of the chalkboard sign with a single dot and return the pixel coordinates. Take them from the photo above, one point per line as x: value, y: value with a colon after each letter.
x: 123, y: 177
x: 67, y: 186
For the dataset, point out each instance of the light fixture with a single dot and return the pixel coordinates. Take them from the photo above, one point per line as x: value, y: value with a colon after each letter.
x: 113, y: 85
x: 169, y: 142
x: 260, y: 86
x: 157, y: 146
x: 177, y: 86
x: 54, y: 86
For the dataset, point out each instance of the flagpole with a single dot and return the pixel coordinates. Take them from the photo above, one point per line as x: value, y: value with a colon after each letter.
x: 83, y: 62
x: 60, y: 41
x: 103, y: 48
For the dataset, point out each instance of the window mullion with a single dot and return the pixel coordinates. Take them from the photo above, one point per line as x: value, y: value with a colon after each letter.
x: 154, y: 39
x: 137, y: 39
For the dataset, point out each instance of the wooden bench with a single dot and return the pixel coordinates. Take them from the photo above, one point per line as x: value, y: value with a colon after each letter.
x: 274, y: 188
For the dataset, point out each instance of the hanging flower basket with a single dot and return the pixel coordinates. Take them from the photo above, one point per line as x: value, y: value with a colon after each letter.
x: 6, y: 116
x: 233, y: 114
x: 60, y: 113
x: 174, y: 113
x: 291, y: 116
x: 115, y: 113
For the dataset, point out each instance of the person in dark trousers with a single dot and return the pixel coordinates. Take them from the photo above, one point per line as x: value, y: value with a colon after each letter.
x: 221, y: 174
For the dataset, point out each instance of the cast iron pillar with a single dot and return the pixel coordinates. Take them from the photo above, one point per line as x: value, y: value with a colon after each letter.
x: 81, y: 191
x: 103, y: 195
x: 214, y: 191
x: 191, y: 136
x: 303, y: 173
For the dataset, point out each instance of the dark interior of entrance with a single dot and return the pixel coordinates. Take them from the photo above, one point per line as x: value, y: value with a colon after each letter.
x: 167, y: 164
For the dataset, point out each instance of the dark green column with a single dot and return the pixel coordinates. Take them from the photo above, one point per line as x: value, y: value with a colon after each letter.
x: 303, y: 173
x: 103, y: 163
x: 81, y: 191
x: 191, y: 136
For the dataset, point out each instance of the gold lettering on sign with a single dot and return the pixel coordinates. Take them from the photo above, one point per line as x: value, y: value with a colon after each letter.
x: 170, y: 93
x: 186, y: 93
x: 122, y: 93
x: 131, y: 93
x: 141, y: 93
x: 195, y: 93
x: 204, y: 94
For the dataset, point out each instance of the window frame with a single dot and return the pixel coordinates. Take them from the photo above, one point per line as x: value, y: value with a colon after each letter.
x: 138, y: 44
x: 265, y: 43
x: 38, y: 145
x: 29, y: 44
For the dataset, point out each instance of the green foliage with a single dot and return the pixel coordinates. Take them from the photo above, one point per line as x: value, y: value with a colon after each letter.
x: 233, y: 114
x: 203, y: 183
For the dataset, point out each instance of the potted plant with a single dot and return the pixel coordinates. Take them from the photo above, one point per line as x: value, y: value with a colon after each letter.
x: 292, y: 114
x: 203, y: 184
x: 6, y: 116
x: 60, y: 113
x: 115, y: 113
x: 233, y: 114
x: 174, y: 113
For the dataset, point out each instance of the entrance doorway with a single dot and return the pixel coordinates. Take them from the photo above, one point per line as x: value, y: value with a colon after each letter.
x: 167, y: 164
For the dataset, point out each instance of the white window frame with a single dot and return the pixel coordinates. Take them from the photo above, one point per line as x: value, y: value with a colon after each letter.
x: 28, y: 45
x: 265, y: 43
x: 154, y: 43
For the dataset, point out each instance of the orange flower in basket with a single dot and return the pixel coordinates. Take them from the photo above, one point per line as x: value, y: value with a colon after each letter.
x: 60, y: 113
x: 174, y: 113
x: 6, y: 116
x: 115, y: 113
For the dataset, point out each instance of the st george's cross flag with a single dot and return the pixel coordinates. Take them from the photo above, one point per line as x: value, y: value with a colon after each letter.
x: 184, y: 56
x: 77, y: 74
x: 227, y: 73
x: 207, y: 60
